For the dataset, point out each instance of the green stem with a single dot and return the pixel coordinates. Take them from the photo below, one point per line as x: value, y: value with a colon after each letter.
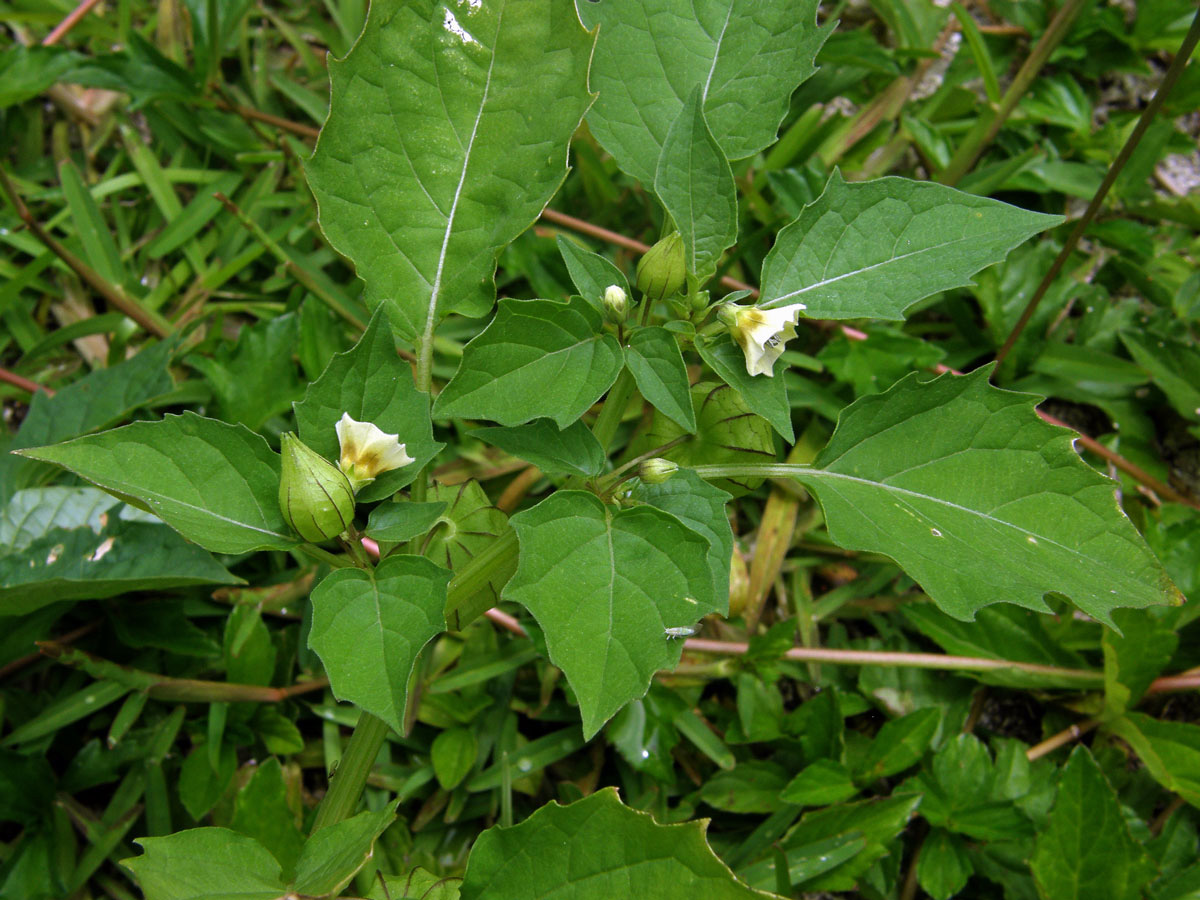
x: 347, y: 783
x: 614, y: 408
x: 987, y: 127
x: 751, y: 470
x: 464, y: 603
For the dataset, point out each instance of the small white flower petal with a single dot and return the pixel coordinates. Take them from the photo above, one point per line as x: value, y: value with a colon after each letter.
x: 367, y: 451
x: 762, y: 334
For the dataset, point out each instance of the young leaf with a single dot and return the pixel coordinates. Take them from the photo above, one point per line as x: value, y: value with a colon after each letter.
x: 900, y: 743
x: 538, y: 358
x: 402, y: 521
x: 765, y: 396
x: 216, y: 484
x: 980, y: 501
x: 596, y: 849
x: 590, y: 272
x: 695, y: 184
x: 873, y: 249
x: 332, y: 855
x: 824, y: 782
x: 1086, y: 852
x: 373, y: 384
x: 657, y: 365
x: 570, y: 451
x: 944, y: 866
x: 746, y: 56
x: 446, y: 137
x: 604, y: 585
x: 368, y: 628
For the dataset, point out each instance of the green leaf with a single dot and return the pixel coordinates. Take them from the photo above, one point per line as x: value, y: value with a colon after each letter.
x: 373, y: 384
x: 453, y: 756
x: 402, y: 521
x: 216, y: 484
x: 695, y: 184
x: 1169, y: 750
x: 1134, y: 657
x: 92, y: 564
x: 701, y: 507
x: 603, y: 585
x: 980, y: 501
x: 1085, y: 850
x: 596, y: 849
x: 570, y: 451
x: 874, y: 248
x: 255, y: 378
x: 765, y: 396
x: 369, y: 626
x: 746, y: 56
x: 944, y: 866
x: 332, y: 855
x: 537, y: 358
x: 95, y: 401
x: 27, y: 71
x: 899, y: 744
x: 261, y: 811
x: 824, y: 782
x: 657, y: 365
x: 446, y: 137
x: 590, y: 272
x: 31, y: 513
x: 205, y: 864
x: 963, y: 792
x: 1174, y: 366
x: 749, y: 787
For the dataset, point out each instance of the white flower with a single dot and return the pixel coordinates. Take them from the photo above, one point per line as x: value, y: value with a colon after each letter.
x: 366, y: 451
x: 761, y: 333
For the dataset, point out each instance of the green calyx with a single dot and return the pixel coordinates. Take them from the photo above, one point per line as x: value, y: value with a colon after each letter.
x: 662, y: 270
x: 315, y: 497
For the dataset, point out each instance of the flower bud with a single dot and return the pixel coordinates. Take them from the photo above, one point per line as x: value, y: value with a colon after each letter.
x: 657, y: 470
x: 616, y: 304
x: 662, y: 270
x: 315, y: 497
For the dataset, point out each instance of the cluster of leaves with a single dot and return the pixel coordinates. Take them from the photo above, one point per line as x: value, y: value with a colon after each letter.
x: 172, y: 308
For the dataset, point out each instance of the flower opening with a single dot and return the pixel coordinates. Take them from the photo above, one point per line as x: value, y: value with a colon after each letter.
x: 367, y: 451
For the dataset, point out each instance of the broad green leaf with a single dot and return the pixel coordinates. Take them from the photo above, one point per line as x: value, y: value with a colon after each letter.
x: 701, y: 507
x: 657, y: 365
x: 824, y: 782
x: 998, y: 632
x: 604, y: 584
x: 403, y: 521
x: 569, y: 451
x: 765, y: 396
x: 255, y: 378
x: 944, y: 866
x: 874, y: 248
x: 695, y: 184
x: 1169, y: 750
x: 446, y: 137
x: 596, y: 849
x: 746, y: 56
x: 205, y: 864
x: 1135, y: 657
x: 332, y: 855
x: 216, y: 484
x: 96, y: 401
x: 537, y: 358
x: 92, y: 564
x: 899, y: 744
x: 1085, y: 852
x: 369, y: 626
x: 727, y: 431
x: 590, y: 272
x: 373, y: 384
x: 980, y: 501
x: 31, y: 513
